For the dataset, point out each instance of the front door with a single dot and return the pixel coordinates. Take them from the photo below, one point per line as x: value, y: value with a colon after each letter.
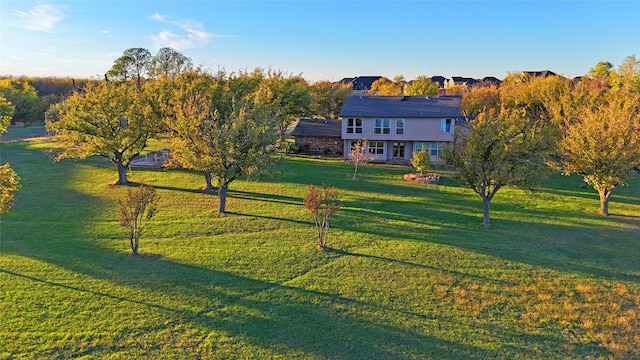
x: 398, y: 150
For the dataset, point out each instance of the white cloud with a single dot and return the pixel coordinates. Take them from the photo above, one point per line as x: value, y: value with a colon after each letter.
x: 43, y: 17
x: 191, y: 34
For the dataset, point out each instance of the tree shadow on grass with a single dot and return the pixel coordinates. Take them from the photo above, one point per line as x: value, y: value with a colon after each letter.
x: 280, y: 319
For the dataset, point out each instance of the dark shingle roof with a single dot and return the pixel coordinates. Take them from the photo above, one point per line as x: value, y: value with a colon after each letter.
x: 401, y: 106
x: 543, y: 73
x: 364, y: 82
x: 313, y: 127
x: 438, y: 80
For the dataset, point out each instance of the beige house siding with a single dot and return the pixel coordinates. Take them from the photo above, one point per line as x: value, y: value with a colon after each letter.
x: 415, y: 130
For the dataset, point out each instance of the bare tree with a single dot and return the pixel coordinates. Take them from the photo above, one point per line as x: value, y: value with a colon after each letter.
x: 359, y: 155
x: 138, y: 207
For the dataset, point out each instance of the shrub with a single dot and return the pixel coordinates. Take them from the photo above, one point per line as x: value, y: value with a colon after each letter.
x: 322, y: 204
x: 135, y: 210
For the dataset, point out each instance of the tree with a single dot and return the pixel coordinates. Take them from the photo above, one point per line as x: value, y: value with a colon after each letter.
x: 601, y: 72
x: 628, y: 75
x: 386, y: 87
x: 601, y: 139
x: 133, y: 64
x: 328, y: 98
x: 114, y: 121
x: 421, y: 160
x: 285, y: 98
x: 216, y: 127
x: 500, y: 148
x: 323, y: 204
x: 359, y: 155
x: 138, y: 207
x: 168, y: 62
x: 421, y: 86
x: 9, y: 180
x: 23, y: 98
x: 478, y: 98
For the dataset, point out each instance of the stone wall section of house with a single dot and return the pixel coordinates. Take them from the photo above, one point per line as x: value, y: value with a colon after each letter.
x: 321, y: 143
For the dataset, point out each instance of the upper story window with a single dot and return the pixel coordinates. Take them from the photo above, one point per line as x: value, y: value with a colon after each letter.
x: 446, y: 125
x: 400, y: 126
x: 382, y: 126
x: 354, y: 126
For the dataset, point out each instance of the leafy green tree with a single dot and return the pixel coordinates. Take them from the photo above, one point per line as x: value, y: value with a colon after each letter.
x: 328, y: 98
x: 9, y: 180
x: 500, y: 148
x: 137, y: 208
x: 628, y: 75
x: 114, y: 121
x: 602, y: 71
x: 387, y: 87
x: 6, y: 113
x: 421, y: 160
x: 323, y: 204
x: 601, y: 138
x: 23, y: 98
x: 133, y: 64
x: 285, y: 98
x: 218, y: 128
x: 168, y: 62
x: 421, y: 86
x: 479, y: 98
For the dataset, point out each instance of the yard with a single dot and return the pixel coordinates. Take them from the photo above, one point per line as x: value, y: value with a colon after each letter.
x: 412, y: 273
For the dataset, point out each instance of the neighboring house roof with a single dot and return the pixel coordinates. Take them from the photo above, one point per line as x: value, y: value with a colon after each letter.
x: 315, y: 127
x: 543, y: 73
x: 460, y: 80
x: 401, y: 106
x: 491, y: 80
x: 364, y: 82
x: 439, y: 80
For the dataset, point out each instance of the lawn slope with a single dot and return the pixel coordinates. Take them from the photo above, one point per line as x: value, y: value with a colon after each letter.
x: 412, y: 273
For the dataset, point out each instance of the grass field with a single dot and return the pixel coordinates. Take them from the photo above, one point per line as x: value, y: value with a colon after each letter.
x: 412, y: 273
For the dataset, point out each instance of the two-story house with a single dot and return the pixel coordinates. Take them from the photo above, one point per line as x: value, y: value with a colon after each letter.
x: 396, y: 126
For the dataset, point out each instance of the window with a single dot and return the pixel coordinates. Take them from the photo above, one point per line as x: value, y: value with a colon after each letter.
x: 400, y: 126
x: 382, y: 126
x: 446, y: 125
x: 432, y: 148
x: 376, y: 147
x: 354, y: 126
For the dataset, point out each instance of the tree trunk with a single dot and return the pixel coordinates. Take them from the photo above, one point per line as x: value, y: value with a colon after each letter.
x: 208, y: 186
x: 222, y: 198
x: 485, y: 202
x: 122, y: 173
x: 604, y: 202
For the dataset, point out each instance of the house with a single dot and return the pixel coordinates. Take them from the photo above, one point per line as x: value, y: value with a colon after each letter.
x: 396, y: 126
x: 459, y: 80
x: 361, y: 84
x: 319, y: 136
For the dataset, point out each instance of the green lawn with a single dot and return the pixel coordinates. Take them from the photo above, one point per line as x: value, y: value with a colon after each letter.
x: 413, y: 274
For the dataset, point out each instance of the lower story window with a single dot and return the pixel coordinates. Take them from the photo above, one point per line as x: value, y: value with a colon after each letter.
x: 432, y: 147
x: 376, y: 147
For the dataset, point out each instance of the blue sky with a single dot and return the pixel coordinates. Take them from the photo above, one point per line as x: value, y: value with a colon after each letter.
x: 322, y: 40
